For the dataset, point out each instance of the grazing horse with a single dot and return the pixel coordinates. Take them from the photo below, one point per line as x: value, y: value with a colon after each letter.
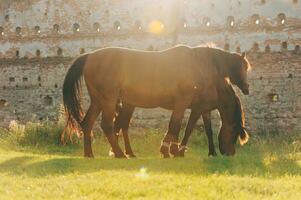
x: 174, y: 79
x: 231, y: 111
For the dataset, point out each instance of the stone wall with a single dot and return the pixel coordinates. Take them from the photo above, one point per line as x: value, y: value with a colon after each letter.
x: 33, y: 90
x: 40, y: 38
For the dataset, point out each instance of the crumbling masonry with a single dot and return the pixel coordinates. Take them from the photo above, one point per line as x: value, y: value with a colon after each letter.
x: 40, y: 38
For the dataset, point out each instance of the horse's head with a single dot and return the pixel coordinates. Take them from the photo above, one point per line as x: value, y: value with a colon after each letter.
x: 233, y: 126
x: 227, y: 139
x: 238, y: 72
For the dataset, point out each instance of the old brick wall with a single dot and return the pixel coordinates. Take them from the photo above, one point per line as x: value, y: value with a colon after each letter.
x: 39, y: 39
x: 33, y: 90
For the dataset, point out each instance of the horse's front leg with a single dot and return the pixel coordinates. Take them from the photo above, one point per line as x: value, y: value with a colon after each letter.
x: 171, y: 139
x: 193, y: 118
x: 208, y: 128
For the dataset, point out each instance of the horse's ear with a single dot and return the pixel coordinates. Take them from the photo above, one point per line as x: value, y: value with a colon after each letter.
x: 243, y: 55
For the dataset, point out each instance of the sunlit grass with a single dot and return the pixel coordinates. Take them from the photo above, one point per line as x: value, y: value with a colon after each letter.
x: 266, y: 168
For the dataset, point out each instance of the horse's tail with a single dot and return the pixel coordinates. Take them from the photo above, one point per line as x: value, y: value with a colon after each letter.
x: 72, y: 93
x: 240, y: 118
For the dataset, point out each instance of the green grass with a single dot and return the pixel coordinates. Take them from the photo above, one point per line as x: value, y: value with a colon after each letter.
x: 266, y: 168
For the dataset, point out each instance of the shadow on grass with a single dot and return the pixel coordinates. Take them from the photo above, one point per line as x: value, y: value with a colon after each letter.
x: 261, y: 158
x: 249, y: 162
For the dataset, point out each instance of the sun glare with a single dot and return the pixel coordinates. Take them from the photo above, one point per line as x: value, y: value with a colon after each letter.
x: 156, y: 27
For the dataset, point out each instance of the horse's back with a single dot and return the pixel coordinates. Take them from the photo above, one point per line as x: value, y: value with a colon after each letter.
x: 145, y: 77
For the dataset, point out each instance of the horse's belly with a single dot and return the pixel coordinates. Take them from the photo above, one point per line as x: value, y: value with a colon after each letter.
x: 147, y: 100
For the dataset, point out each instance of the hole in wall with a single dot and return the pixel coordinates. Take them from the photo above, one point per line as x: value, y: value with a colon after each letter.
x: 284, y: 45
x: 6, y: 18
x: 290, y: 75
x: 255, y: 47
x: 39, y: 78
x: 255, y: 20
x: 138, y: 25
x: 18, y: 30
x: 59, y: 52
x: 281, y: 19
x: 3, y: 103
x: 48, y: 101
x: 267, y: 49
x: 273, y: 97
x: 297, y: 49
x: 185, y: 24
x: 117, y: 25
x: 96, y: 27
x: 230, y: 22
x: 37, y: 29
x: 11, y: 79
x: 260, y: 78
x: 55, y: 86
x: 76, y: 27
x: 1, y: 31
x: 17, y: 53
x: 206, y: 21
x: 38, y: 53
x: 56, y: 28
x: 25, y: 79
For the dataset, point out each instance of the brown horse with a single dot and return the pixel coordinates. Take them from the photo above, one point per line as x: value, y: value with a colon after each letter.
x: 174, y: 79
x: 229, y: 106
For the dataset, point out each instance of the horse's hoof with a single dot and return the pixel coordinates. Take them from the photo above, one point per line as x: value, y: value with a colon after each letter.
x: 122, y: 155
x: 174, y: 150
x: 165, y: 155
x: 164, y: 152
x: 117, y: 155
x: 89, y: 155
x: 130, y: 155
x: 111, y: 153
x: 212, y: 154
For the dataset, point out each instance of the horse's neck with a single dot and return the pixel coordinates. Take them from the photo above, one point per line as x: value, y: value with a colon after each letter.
x: 223, y: 62
x: 227, y: 64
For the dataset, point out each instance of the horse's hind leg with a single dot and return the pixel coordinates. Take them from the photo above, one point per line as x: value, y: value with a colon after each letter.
x: 87, y: 125
x: 126, y: 116
x: 122, y: 122
x: 193, y: 118
x: 208, y: 128
x: 107, y: 125
x: 117, y: 124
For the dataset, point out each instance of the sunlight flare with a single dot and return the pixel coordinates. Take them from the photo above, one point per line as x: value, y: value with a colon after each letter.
x: 156, y: 27
x: 143, y: 174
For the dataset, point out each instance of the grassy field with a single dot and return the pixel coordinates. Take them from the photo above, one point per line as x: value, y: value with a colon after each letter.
x: 266, y: 168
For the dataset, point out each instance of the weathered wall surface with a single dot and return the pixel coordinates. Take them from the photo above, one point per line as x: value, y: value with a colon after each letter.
x: 33, y: 89
x: 39, y: 39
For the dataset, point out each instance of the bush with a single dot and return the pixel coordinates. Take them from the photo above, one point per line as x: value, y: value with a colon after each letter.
x: 34, y: 133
